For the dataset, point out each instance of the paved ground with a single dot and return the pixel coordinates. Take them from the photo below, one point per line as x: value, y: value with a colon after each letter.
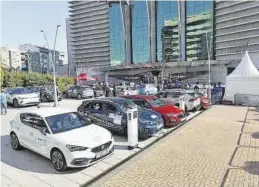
x: 25, y: 168
x: 218, y: 148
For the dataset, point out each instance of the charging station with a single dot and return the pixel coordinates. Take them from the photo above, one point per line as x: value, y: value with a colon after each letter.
x: 132, y: 127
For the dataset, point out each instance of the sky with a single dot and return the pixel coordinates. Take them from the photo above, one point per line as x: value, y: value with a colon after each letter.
x: 21, y: 22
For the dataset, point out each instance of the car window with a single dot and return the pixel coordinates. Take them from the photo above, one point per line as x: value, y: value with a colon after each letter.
x: 154, y: 102
x: 95, y: 106
x: 110, y: 108
x: 173, y: 94
x: 20, y: 91
x: 27, y: 119
x: 38, y: 122
x: 71, y: 88
x: 139, y: 102
x: 66, y: 122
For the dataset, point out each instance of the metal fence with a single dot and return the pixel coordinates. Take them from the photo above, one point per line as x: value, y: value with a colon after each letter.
x: 246, y: 100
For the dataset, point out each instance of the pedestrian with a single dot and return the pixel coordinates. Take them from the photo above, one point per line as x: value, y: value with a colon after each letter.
x: 3, y: 102
x: 158, y: 88
x: 107, y: 91
x: 114, y: 91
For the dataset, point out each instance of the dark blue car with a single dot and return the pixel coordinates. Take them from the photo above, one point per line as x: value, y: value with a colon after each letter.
x: 111, y: 114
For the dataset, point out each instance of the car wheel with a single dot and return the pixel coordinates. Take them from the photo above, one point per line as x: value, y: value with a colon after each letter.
x: 79, y: 96
x: 14, y: 141
x: 15, y: 103
x: 58, y: 160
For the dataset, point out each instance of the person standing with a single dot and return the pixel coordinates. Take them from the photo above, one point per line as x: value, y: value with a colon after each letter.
x: 3, y: 102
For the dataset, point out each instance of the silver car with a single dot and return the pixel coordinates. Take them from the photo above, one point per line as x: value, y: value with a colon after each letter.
x: 79, y: 92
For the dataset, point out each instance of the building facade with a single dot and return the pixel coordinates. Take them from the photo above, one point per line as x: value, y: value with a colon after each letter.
x: 10, y: 58
x: 38, y: 59
x: 237, y: 30
x: 109, y: 33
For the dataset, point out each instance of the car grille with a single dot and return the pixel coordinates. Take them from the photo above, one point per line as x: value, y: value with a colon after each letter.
x: 101, y: 147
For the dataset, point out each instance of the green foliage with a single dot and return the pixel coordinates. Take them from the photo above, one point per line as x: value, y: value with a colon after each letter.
x: 24, y: 79
x: 2, y: 75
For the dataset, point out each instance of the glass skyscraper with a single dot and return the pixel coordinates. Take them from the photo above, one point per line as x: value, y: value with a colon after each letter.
x: 138, y: 32
x: 117, y: 52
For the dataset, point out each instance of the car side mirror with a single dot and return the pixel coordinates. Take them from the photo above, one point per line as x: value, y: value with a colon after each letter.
x: 43, y: 130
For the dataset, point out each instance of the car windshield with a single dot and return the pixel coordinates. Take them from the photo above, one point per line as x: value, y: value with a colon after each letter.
x: 19, y: 91
x: 127, y: 105
x: 35, y: 89
x: 154, y: 102
x: 66, y: 122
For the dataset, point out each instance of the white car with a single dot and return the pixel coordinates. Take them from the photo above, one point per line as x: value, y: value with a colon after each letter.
x: 191, y: 99
x: 147, y: 89
x: 126, y: 90
x: 63, y: 136
x: 20, y: 96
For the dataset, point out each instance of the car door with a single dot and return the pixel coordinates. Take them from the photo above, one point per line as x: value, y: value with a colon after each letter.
x: 26, y: 135
x: 41, y: 141
x: 113, y: 115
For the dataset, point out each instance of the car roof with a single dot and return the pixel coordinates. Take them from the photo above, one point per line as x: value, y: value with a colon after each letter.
x: 47, y: 111
x: 139, y: 97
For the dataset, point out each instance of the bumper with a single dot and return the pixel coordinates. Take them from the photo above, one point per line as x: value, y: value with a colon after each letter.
x: 205, y: 105
x: 87, y: 95
x: 86, y: 158
x: 148, y: 131
x: 173, y: 121
x: 28, y: 102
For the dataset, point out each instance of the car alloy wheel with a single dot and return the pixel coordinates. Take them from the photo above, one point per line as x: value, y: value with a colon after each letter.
x: 15, y: 103
x: 58, y: 160
x: 79, y: 96
x: 14, y: 141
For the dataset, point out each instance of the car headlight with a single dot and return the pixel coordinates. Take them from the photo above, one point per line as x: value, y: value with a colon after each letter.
x: 145, y: 121
x: 172, y: 115
x: 76, y: 148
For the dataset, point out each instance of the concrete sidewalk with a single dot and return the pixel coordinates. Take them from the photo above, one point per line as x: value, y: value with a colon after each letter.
x: 218, y: 148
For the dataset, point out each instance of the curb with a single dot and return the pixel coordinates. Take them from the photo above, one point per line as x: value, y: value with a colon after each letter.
x: 88, y: 183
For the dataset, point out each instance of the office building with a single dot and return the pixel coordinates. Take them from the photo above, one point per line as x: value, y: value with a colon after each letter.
x: 237, y: 30
x: 39, y: 60
x: 113, y: 33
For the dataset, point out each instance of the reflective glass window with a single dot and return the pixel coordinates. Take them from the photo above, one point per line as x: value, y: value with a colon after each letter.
x: 167, y: 30
x: 199, y: 21
x: 140, y: 37
x: 117, y: 53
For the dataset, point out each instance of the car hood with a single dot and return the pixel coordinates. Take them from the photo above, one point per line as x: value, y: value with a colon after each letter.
x: 149, y: 115
x: 166, y: 109
x: 89, y: 136
x: 27, y: 96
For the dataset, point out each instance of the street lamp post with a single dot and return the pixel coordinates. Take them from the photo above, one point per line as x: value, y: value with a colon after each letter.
x: 53, y: 64
x: 209, y: 52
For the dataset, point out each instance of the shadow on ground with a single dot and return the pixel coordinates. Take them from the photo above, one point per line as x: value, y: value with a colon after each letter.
x: 252, y: 167
x: 255, y: 135
x: 27, y: 160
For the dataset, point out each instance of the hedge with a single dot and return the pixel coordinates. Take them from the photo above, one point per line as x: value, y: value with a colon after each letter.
x: 24, y: 79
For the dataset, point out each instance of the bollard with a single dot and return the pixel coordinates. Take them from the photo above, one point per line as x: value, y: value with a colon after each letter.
x: 132, y: 127
x: 182, y: 103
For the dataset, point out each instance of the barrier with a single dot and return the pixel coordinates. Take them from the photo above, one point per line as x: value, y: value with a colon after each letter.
x: 246, y: 99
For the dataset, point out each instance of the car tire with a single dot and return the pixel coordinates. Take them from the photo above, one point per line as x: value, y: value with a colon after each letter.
x: 15, y: 141
x: 58, y: 160
x: 79, y: 96
x: 16, y: 103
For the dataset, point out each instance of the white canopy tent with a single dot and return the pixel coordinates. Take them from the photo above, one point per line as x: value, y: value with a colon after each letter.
x: 243, y: 80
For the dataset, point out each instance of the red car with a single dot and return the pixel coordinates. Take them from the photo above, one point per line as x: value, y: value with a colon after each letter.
x: 205, y: 103
x: 172, y: 115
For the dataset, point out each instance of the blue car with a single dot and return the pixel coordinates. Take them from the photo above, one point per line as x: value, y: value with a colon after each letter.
x: 110, y: 113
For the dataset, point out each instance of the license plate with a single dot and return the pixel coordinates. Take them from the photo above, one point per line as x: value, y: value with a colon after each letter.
x: 102, y: 153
